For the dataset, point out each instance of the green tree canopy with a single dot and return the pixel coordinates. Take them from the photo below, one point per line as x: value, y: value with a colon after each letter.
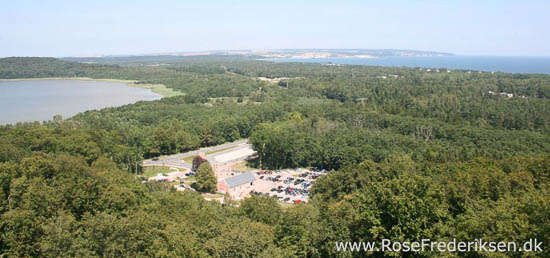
x: 206, y: 179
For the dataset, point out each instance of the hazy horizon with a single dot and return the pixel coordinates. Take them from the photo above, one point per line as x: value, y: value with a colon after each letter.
x: 62, y: 28
x: 221, y: 50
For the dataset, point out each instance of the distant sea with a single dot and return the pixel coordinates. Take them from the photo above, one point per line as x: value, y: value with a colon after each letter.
x: 477, y: 63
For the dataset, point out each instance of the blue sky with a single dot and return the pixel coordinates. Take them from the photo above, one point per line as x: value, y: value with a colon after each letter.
x: 101, y: 27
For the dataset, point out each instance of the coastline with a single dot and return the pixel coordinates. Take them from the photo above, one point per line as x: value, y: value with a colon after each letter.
x: 160, y: 89
x: 503, y: 64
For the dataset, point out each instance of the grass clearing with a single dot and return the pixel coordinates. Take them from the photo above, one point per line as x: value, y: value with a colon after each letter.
x: 189, y: 159
x: 242, y: 166
x: 157, y: 88
x: 151, y: 171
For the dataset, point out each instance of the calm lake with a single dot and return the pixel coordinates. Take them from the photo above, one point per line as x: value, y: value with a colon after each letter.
x: 39, y: 100
x: 479, y: 63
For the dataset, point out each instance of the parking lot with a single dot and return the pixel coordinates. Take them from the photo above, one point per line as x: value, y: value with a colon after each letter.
x: 291, y: 186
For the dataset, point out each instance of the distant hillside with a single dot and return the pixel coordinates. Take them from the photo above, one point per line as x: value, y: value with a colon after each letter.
x: 345, y: 53
x: 157, y: 59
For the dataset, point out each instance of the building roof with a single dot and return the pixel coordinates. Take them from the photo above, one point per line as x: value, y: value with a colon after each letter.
x: 240, y: 179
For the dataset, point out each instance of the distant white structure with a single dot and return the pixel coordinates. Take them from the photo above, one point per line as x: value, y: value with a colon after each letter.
x: 505, y: 94
x: 170, y: 177
x: 509, y: 95
x: 159, y: 177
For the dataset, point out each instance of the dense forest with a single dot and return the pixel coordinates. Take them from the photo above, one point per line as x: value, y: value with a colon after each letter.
x: 413, y: 154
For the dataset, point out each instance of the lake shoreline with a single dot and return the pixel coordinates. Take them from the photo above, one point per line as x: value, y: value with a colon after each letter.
x: 160, y: 89
x: 33, y: 99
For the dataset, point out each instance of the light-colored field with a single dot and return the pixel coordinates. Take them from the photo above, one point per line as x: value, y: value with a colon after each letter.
x: 156, y: 88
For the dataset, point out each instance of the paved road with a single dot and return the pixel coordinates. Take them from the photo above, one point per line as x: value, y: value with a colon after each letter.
x: 176, y: 160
